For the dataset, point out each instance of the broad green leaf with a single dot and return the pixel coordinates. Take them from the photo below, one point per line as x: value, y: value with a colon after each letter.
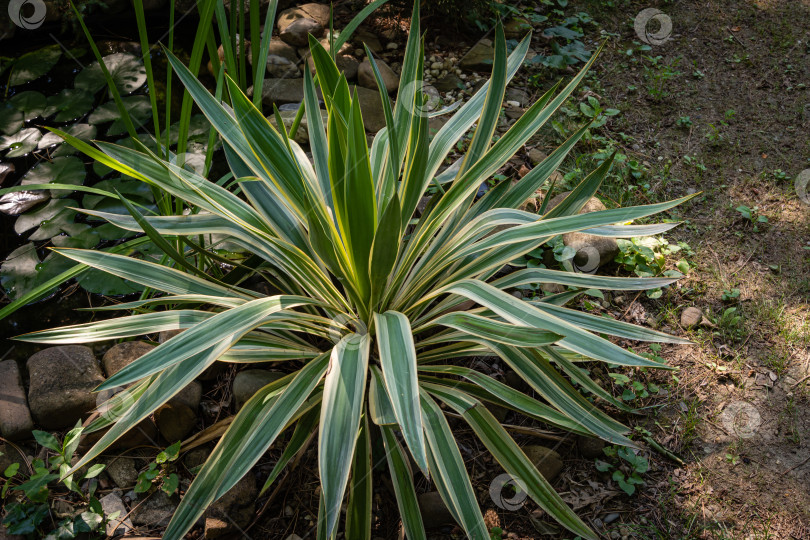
x: 127, y: 71
x: 343, y: 403
x: 512, y: 458
x: 34, y: 65
x: 448, y: 470
x: 398, y: 361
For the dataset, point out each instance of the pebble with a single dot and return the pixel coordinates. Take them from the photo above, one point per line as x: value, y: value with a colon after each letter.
x: 392, y: 46
x: 610, y: 518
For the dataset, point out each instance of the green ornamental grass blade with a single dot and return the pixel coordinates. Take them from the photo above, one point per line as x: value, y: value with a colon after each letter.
x: 398, y: 361
x: 343, y: 403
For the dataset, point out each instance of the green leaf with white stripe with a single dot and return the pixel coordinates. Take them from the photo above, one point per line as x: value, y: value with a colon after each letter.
x: 448, y: 470
x: 343, y: 400
x: 512, y: 458
x: 398, y: 361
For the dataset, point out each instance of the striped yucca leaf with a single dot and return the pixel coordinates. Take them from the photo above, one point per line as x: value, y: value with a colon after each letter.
x: 365, y: 312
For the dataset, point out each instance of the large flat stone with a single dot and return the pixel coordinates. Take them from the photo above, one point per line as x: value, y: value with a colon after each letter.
x: 15, y: 417
x: 62, y: 380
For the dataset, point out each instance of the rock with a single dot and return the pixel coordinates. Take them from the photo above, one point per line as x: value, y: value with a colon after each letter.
x: 156, y: 511
x: 175, y: 421
x: 237, y: 43
x: 280, y: 67
x: 9, y: 456
x: 297, y: 32
x: 592, y: 251
x: 449, y: 83
x: 314, y: 11
x: 120, y: 356
x: 479, y: 57
x: 690, y: 317
x: 233, y: 511
x: 610, y: 518
x: 536, y: 156
x: 365, y: 76
x: 110, y: 503
x: 279, y: 48
x: 62, y: 382
x: 280, y: 91
x: 434, y: 512
x: 15, y: 418
x: 189, y: 396
x: 546, y: 460
x: 249, y: 381
x: 363, y: 36
x: 590, y: 447
x: 196, y: 457
x: 372, y: 109
x: 516, y: 94
x: 122, y: 471
x: 288, y: 117
x: 348, y: 65
x: 516, y: 28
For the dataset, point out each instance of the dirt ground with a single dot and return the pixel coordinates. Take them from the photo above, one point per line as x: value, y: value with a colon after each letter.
x: 738, y: 412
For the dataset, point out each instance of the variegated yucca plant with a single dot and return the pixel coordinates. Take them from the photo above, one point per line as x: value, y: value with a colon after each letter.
x: 369, y: 321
